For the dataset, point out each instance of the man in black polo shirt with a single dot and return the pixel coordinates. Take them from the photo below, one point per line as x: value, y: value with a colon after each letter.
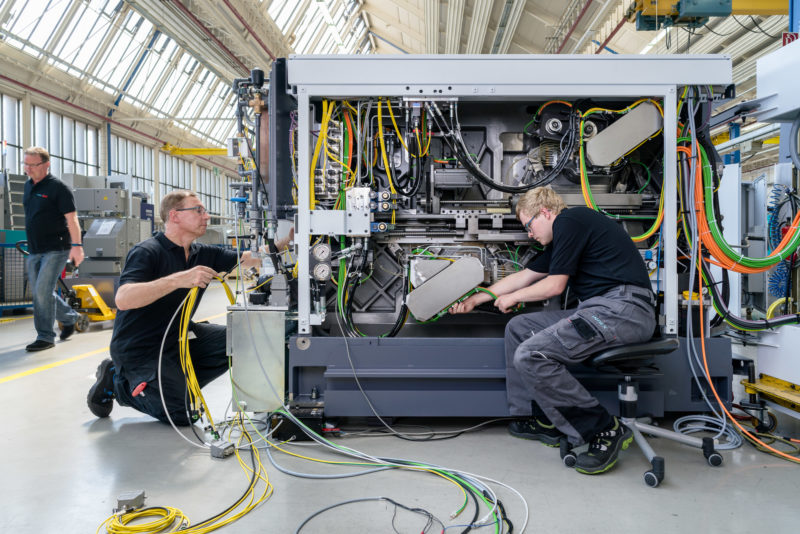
x: 158, y: 274
x: 597, y: 259
x: 53, y: 233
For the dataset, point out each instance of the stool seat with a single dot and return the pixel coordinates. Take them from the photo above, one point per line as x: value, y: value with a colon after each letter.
x: 634, y: 354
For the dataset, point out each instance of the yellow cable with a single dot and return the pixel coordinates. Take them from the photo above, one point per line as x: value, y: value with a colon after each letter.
x: 383, y: 148
x: 777, y: 304
x: 411, y: 467
x: 396, y: 129
x: 315, y: 158
x: 121, y: 523
x: 259, y: 285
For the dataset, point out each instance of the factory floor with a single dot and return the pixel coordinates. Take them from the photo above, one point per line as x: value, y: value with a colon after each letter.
x: 63, y: 469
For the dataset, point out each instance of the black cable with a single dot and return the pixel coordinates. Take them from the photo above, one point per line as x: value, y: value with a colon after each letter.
x: 737, y: 321
x: 253, y: 480
x: 761, y: 29
x: 415, y: 176
x: 751, y: 30
x: 706, y: 26
x: 788, y: 292
x: 506, y: 520
x: 403, y: 309
x: 471, y: 493
x: 463, y: 157
x: 431, y: 518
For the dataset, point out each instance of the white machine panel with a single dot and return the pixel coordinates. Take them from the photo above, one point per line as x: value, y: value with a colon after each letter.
x: 777, y: 355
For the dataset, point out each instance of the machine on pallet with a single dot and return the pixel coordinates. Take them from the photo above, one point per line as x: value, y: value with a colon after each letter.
x: 400, y: 175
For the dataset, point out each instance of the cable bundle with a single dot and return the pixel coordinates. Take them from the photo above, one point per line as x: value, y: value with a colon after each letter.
x: 174, y: 520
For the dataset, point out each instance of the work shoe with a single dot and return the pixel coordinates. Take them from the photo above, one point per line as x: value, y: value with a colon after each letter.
x: 101, y: 395
x: 39, y: 345
x: 66, y: 331
x: 532, y: 429
x: 603, y: 449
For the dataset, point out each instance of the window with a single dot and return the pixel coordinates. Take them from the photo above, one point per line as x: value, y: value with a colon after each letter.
x: 136, y: 159
x: 72, y: 144
x: 10, y: 134
x: 176, y: 173
x: 212, y: 189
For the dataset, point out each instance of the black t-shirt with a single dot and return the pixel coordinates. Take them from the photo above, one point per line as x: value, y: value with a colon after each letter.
x: 45, y: 205
x: 138, y: 332
x: 594, y: 250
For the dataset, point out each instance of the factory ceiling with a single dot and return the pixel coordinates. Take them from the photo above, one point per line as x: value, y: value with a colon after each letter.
x: 164, y: 67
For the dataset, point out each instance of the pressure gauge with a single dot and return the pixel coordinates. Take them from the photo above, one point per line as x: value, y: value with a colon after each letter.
x: 321, y: 252
x: 321, y: 272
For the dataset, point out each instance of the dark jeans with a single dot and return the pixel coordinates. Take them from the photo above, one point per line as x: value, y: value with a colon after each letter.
x: 209, y: 360
x: 43, y: 272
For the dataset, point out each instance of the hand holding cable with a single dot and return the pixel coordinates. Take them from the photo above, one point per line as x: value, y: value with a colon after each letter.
x: 198, y: 276
x: 507, y: 303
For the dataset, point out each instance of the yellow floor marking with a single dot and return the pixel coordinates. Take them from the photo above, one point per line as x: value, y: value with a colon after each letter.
x: 73, y: 359
x: 51, y: 365
x: 12, y: 319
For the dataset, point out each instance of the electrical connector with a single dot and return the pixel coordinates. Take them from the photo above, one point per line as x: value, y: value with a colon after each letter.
x: 221, y: 448
x: 129, y: 501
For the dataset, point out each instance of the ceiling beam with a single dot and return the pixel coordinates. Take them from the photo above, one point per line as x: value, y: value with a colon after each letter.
x: 174, y: 22
x: 478, y: 26
x: 509, y: 19
x: 432, y: 27
x: 390, y: 20
x: 452, y: 34
x: 411, y: 8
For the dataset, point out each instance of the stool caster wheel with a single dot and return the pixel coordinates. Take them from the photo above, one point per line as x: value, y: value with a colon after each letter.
x: 568, y: 456
x: 654, y: 477
x: 651, y: 479
x: 713, y: 458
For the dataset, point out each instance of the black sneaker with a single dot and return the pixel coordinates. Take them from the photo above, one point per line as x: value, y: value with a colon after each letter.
x: 101, y: 395
x: 38, y: 345
x: 66, y: 331
x: 532, y: 429
x: 603, y: 449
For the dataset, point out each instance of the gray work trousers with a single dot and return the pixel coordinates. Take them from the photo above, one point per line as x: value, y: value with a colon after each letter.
x: 540, y: 345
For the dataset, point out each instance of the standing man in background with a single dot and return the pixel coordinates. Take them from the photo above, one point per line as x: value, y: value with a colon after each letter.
x: 54, y: 236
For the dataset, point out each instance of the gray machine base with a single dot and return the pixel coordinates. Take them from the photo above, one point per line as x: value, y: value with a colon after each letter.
x: 465, y: 377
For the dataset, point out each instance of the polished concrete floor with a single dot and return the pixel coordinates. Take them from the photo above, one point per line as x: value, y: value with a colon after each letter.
x: 62, y: 469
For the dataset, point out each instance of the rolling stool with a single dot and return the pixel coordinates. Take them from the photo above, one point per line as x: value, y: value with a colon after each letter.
x: 630, y: 361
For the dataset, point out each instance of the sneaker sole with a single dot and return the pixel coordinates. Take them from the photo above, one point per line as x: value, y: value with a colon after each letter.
x: 544, y: 439
x: 89, y: 398
x: 603, y: 468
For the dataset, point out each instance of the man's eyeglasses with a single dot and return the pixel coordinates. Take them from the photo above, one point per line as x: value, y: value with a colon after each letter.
x: 527, y: 225
x: 31, y: 165
x: 199, y: 209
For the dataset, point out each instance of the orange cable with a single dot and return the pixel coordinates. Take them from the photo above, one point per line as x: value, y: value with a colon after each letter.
x: 716, y: 395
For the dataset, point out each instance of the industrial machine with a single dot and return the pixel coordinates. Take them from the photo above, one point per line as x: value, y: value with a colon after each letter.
x: 400, y: 175
x: 112, y: 218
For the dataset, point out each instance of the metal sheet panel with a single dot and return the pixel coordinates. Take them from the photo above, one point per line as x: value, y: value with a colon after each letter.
x: 255, y: 341
x: 501, y: 75
x: 777, y: 85
x: 445, y: 288
x: 777, y: 355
